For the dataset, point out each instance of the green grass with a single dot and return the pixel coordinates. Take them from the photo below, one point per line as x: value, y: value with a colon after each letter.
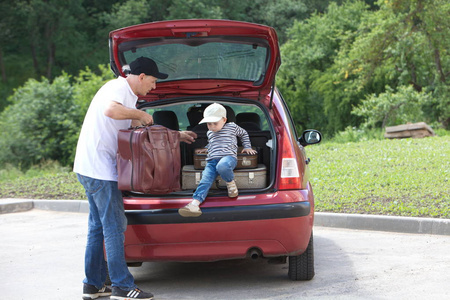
x: 47, y: 181
x: 409, y: 177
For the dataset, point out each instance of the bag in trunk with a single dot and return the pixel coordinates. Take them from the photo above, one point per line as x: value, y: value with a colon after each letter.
x: 245, y: 178
x: 244, y: 160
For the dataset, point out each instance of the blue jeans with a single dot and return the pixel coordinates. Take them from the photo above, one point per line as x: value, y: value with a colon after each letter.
x: 223, y: 167
x: 107, y: 222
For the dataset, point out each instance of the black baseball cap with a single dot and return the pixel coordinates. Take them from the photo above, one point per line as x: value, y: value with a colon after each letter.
x: 147, y: 66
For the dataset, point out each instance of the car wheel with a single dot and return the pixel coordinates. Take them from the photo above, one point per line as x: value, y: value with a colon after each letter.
x: 301, y: 267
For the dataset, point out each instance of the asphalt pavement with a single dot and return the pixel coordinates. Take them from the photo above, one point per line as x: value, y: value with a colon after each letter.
x: 42, y: 258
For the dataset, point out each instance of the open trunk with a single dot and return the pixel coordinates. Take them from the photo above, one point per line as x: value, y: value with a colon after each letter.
x: 186, y: 113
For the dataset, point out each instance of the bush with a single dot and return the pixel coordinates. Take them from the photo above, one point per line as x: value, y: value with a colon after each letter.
x: 44, y: 119
x: 86, y: 85
x: 354, y: 135
x: 393, y: 107
x: 36, y: 125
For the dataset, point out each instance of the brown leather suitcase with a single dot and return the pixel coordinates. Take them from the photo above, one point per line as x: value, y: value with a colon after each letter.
x: 244, y: 160
x: 245, y: 178
x: 149, y: 160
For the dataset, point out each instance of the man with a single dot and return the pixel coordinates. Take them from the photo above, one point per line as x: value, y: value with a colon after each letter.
x: 112, y: 108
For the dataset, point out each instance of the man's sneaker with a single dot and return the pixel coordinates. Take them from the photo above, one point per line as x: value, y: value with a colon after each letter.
x: 191, y: 210
x: 232, y: 189
x: 91, y: 292
x: 119, y: 294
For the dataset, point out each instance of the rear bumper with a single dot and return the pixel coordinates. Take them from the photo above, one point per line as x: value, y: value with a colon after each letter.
x: 219, y: 233
x: 221, y: 214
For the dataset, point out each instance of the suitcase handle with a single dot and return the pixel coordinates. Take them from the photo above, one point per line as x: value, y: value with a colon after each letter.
x: 138, y: 127
x: 169, y: 135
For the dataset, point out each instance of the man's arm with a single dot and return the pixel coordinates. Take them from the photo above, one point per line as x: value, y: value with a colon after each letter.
x: 117, y: 111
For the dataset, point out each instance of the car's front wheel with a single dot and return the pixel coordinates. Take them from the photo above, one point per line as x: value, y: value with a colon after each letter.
x: 301, y: 267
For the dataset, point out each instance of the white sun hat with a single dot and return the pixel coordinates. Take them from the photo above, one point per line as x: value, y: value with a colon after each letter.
x: 214, y: 113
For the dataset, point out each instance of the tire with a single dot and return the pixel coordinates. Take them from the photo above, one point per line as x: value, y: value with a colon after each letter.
x: 301, y: 267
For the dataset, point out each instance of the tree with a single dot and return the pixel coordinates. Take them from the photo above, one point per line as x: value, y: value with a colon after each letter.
x: 12, y: 61
x: 51, y: 33
x: 334, y: 61
x: 133, y: 12
x: 309, y: 77
x: 191, y: 9
x: 6, y: 34
x: 280, y: 14
x: 406, y: 42
x: 44, y: 37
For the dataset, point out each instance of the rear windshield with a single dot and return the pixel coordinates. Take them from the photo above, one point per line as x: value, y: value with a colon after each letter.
x: 203, y: 58
x: 187, y: 115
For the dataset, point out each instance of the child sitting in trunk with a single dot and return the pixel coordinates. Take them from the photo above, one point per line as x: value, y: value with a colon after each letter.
x: 222, y: 156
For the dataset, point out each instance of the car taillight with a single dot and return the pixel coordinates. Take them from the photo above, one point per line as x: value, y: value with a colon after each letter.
x: 289, y: 173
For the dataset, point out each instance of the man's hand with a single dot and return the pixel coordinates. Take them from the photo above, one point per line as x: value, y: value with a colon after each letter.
x: 146, y: 119
x: 188, y: 136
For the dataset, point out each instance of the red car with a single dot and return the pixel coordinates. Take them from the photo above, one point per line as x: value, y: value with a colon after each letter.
x: 234, y: 64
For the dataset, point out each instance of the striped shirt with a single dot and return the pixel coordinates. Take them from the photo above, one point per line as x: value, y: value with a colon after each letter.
x: 224, y: 142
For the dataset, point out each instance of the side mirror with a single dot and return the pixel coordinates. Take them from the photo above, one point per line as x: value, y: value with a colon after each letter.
x: 310, y: 137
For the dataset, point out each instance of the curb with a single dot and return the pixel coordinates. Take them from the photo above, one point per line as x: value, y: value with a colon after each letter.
x: 12, y: 206
x: 21, y: 205
x: 384, y: 223
x: 337, y: 220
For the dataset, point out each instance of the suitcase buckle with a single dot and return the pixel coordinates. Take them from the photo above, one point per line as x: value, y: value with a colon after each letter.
x: 251, y: 176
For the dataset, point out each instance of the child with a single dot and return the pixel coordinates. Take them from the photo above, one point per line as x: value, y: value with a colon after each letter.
x: 221, y: 158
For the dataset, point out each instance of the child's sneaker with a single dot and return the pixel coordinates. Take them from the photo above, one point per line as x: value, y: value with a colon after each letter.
x: 232, y: 189
x: 119, y: 294
x: 91, y: 292
x: 192, y: 209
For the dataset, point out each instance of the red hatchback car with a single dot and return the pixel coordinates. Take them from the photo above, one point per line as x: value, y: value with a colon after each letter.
x: 234, y: 64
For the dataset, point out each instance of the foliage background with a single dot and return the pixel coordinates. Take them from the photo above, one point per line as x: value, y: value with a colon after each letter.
x: 345, y: 64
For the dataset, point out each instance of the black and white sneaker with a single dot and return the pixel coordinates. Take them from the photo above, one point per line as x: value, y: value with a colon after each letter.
x: 91, y: 292
x: 118, y: 294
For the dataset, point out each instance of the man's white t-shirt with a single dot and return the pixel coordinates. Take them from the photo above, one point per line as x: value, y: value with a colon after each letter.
x: 97, y: 145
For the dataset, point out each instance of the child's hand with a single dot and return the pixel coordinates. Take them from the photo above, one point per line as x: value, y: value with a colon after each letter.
x: 203, y: 150
x: 249, y: 151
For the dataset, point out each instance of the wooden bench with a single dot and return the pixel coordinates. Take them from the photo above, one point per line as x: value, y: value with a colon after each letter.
x: 416, y: 130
